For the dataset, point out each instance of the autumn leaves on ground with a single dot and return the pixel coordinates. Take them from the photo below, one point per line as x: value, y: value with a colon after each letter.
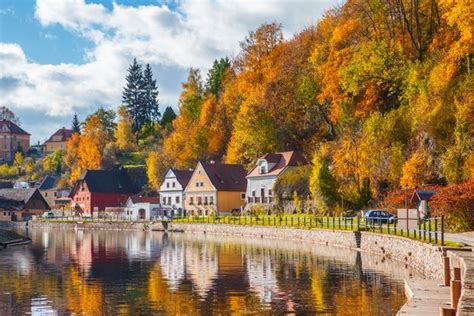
x: 379, y: 94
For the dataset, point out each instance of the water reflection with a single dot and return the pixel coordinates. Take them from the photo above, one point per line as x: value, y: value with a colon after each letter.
x: 103, y: 272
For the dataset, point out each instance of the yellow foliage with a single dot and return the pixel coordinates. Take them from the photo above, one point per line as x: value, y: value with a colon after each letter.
x: 124, y: 132
x: 416, y: 170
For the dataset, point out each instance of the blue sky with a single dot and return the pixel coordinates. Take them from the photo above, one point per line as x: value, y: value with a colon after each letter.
x: 58, y: 57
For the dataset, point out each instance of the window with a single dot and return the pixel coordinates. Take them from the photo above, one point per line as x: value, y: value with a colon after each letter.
x: 173, y: 185
x: 45, y: 193
x: 253, y: 193
x: 205, y: 200
x: 191, y: 200
x: 55, y: 193
x: 211, y: 200
x: 4, y: 213
x: 242, y: 196
x: 167, y: 185
x: 202, y: 184
x: 270, y: 192
x: 197, y: 184
x: 199, y: 200
x: 262, y: 169
x: 177, y: 199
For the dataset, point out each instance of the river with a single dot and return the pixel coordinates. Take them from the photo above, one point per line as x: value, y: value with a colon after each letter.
x: 96, y: 272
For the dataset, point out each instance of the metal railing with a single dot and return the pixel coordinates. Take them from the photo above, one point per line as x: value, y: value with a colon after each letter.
x: 429, y: 230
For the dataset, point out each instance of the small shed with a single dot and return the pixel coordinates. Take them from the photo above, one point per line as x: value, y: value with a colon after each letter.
x: 421, y: 198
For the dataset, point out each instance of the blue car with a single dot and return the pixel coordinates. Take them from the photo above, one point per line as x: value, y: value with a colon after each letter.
x: 379, y: 217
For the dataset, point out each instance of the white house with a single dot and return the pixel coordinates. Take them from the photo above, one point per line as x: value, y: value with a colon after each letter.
x: 172, y: 192
x: 141, y: 207
x: 262, y: 177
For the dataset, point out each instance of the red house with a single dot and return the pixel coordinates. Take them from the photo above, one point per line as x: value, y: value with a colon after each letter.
x: 96, y: 190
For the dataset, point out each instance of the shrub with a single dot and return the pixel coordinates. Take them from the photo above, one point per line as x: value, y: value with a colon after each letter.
x: 456, y: 202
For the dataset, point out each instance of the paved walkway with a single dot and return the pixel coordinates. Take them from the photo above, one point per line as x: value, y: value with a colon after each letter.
x: 424, y: 297
x: 467, y: 238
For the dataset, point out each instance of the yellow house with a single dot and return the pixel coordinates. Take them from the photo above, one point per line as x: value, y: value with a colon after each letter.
x: 215, y: 188
x: 58, y: 140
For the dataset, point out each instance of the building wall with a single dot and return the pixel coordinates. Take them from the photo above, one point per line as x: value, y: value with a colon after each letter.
x: 53, y: 146
x: 199, y: 188
x: 165, y: 196
x: 9, y: 144
x: 228, y: 201
x: 256, y: 184
x: 132, y: 211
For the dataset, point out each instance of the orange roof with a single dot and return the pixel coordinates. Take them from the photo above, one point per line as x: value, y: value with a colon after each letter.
x: 281, y: 161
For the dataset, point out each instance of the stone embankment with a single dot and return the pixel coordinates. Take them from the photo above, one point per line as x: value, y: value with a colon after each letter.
x: 424, y: 258
x: 464, y: 260
x: 11, y: 238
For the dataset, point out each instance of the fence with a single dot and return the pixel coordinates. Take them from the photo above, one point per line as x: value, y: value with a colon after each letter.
x: 429, y: 230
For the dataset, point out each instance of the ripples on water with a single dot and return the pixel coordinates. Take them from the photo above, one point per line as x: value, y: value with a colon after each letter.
x: 112, y: 272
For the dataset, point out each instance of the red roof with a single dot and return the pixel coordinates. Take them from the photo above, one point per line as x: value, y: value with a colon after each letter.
x: 145, y: 199
x: 281, y: 161
x: 12, y: 127
x: 63, y: 133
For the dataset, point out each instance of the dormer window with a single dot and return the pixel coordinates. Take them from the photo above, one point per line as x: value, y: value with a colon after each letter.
x: 262, y: 169
x: 262, y: 166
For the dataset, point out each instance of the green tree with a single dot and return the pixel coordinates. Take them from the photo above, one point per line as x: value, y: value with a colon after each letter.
x: 215, y: 76
x: 76, y: 124
x: 168, y: 116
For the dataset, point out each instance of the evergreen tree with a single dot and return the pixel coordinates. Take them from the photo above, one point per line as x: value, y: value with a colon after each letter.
x: 151, y: 106
x: 168, y: 116
x: 134, y: 94
x: 76, y: 125
x: 215, y: 76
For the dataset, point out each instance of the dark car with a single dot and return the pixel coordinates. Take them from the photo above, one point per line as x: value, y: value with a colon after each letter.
x: 379, y: 217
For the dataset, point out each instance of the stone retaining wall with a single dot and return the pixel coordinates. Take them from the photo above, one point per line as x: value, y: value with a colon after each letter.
x: 424, y: 258
x: 465, y: 261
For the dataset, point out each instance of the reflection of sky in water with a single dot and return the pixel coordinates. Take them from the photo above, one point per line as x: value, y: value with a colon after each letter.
x: 40, y: 306
x: 111, y: 272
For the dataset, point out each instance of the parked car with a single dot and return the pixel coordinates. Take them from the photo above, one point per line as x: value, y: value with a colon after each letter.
x: 379, y: 217
x: 48, y: 215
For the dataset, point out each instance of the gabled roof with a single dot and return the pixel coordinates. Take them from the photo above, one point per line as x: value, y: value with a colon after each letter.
x: 182, y: 176
x: 423, y: 195
x: 145, y: 199
x: 48, y: 182
x: 15, y: 196
x: 63, y: 133
x: 12, y: 128
x: 281, y: 160
x: 226, y: 177
x: 106, y: 181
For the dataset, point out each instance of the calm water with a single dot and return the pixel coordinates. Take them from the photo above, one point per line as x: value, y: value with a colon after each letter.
x: 111, y: 272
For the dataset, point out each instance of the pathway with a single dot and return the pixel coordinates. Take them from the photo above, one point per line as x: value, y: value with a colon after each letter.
x: 467, y: 238
x: 424, y: 297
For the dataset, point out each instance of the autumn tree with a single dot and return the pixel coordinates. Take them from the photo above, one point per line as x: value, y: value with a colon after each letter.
x: 124, y: 137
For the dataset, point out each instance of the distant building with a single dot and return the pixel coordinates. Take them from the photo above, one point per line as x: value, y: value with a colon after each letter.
x: 16, y: 204
x: 172, y: 192
x: 141, y: 207
x: 269, y: 167
x: 55, y: 196
x: 421, y: 198
x: 96, y: 190
x: 12, y: 139
x: 215, y: 188
x: 58, y: 140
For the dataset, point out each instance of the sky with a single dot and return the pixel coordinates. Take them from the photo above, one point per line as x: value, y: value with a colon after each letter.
x: 58, y: 57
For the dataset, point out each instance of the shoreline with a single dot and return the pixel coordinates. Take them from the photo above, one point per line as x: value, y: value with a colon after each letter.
x: 425, y: 259
x: 10, y: 238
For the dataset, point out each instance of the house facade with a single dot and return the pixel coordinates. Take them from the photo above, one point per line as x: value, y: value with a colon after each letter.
x: 141, y: 208
x: 18, y: 204
x: 172, y: 192
x: 261, y: 179
x: 54, y: 195
x: 12, y: 139
x: 97, y: 190
x: 215, y: 188
x: 58, y: 140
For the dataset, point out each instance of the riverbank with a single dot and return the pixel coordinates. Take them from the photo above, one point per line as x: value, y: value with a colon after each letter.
x: 11, y: 238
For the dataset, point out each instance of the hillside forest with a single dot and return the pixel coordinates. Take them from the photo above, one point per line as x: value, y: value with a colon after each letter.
x: 377, y: 94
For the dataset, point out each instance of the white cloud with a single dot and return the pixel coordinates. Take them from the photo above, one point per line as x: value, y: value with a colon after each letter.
x: 193, y: 35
